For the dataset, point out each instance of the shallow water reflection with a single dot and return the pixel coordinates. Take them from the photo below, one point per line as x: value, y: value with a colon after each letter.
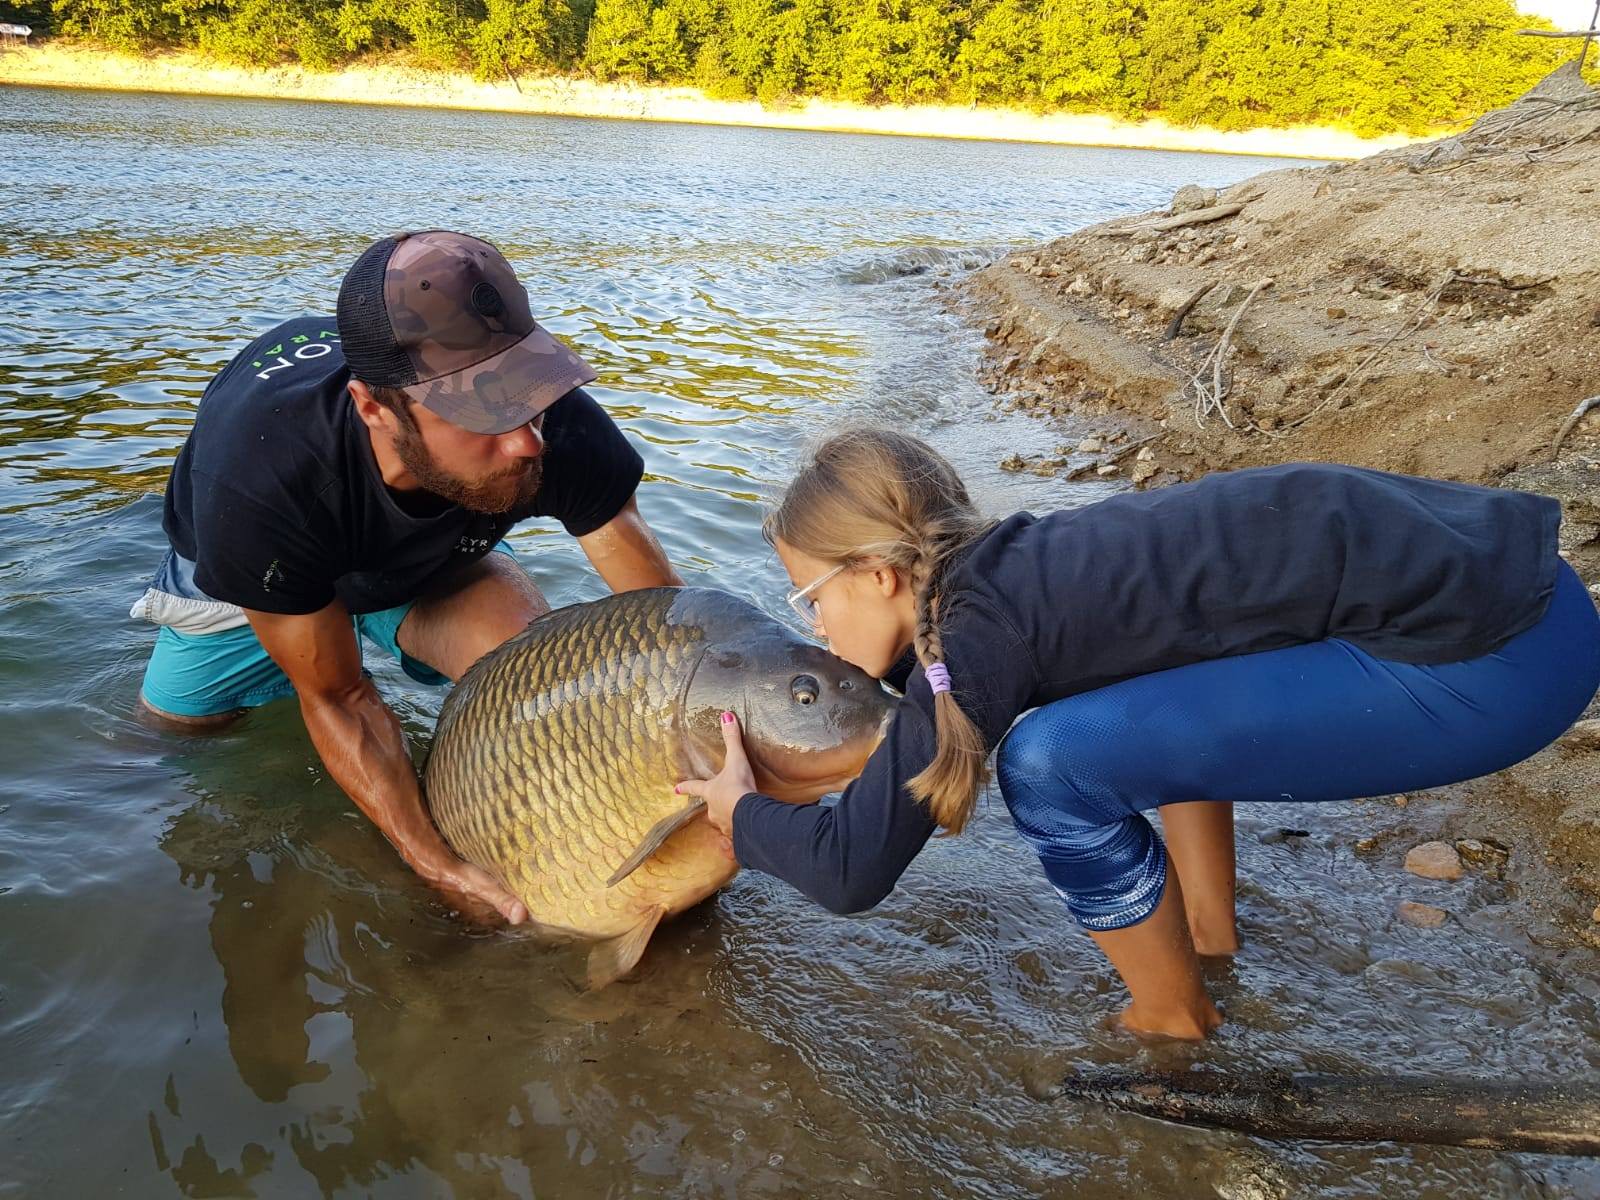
x: 216, y: 979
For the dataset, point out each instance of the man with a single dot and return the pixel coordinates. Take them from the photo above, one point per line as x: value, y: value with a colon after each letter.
x: 357, y: 475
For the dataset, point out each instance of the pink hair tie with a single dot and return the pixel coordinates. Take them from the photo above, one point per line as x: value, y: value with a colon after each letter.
x: 938, y: 677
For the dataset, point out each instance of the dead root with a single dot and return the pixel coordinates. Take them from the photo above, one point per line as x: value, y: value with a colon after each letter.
x: 1212, y: 398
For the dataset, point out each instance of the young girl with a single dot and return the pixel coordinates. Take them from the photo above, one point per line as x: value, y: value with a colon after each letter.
x: 1303, y: 632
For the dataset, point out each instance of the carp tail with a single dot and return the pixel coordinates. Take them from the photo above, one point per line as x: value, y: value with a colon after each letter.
x: 610, y: 960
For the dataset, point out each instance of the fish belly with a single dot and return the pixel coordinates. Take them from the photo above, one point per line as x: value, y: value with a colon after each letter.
x: 556, y: 755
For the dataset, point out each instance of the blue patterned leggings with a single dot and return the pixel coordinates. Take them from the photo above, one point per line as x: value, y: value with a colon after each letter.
x: 1321, y: 721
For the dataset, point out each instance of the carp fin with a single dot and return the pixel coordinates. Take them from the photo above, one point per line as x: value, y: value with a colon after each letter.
x: 659, y: 833
x: 610, y: 960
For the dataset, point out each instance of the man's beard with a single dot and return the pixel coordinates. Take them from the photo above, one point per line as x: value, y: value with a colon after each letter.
x: 500, y: 492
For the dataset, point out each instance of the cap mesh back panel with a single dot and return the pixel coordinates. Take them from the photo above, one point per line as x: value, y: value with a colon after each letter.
x: 365, y: 334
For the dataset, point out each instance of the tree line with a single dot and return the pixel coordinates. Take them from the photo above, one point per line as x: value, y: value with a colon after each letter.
x: 1372, y: 65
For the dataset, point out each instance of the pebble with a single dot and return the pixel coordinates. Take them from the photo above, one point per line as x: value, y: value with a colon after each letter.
x: 1091, y: 446
x: 1482, y: 854
x: 1106, y: 469
x: 1596, y: 914
x: 1338, y: 314
x: 1275, y: 837
x: 1423, y: 916
x: 1434, y: 860
x: 1191, y: 196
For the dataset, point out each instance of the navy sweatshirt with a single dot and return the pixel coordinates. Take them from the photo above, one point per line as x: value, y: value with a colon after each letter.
x: 1412, y: 570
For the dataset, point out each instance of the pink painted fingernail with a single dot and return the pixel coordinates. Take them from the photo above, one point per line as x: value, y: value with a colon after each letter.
x: 727, y: 718
x: 676, y: 788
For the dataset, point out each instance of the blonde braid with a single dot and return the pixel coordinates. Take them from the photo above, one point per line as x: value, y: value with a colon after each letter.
x: 951, y: 782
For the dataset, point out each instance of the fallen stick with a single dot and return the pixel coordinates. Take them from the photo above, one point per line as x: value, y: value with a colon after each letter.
x: 1481, y: 281
x: 1199, y: 216
x: 1110, y: 459
x: 1176, y: 324
x: 1554, y: 33
x: 1204, y: 401
x: 1416, y: 322
x: 1486, y: 1115
x: 1571, y: 423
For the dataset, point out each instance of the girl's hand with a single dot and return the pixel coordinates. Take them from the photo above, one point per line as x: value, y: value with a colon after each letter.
x: 732, y: 784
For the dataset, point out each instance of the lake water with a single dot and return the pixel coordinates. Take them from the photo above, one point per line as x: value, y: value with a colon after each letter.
x: 215, y: 977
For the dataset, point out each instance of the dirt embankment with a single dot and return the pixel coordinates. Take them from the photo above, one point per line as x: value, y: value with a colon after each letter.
x: 1433, y: 309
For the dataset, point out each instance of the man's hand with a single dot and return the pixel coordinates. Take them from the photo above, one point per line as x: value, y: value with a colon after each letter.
x: 735, y: 781
x: 363, y: 747
x: 478, y: 894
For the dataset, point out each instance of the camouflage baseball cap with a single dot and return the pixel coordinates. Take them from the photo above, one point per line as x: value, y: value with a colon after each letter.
x: 441, y: 316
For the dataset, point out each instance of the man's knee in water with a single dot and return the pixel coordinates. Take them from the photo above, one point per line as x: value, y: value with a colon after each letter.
x: 178, y: 723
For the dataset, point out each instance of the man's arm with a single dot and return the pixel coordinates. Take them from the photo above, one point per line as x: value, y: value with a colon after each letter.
x: 627, y: 554
x: 364, y: 748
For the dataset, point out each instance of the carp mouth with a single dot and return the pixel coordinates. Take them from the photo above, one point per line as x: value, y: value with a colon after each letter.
x: 778, y: 777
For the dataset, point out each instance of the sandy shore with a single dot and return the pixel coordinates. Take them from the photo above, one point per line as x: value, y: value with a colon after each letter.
x: 61, y: 65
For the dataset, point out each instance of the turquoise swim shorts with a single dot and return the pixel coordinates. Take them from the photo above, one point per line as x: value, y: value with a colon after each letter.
x: 200, y: 675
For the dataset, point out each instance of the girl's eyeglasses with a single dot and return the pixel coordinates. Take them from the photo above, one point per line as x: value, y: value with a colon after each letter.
x: 804, y: 606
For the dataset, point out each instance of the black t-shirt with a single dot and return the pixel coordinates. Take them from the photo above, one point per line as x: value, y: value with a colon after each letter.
x: 1412, y: 570
x: 277, y: 499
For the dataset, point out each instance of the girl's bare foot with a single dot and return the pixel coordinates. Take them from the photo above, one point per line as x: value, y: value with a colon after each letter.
x: 1188, y: 1025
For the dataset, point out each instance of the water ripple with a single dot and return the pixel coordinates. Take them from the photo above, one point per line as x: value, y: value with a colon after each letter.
x: 218, y: 978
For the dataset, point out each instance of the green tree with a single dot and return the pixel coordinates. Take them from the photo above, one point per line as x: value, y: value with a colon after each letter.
x: 615, y: 47
x: 1373, y: 65
x: 518, y: 34
x: 1004, y: 36
x: 263, y: 33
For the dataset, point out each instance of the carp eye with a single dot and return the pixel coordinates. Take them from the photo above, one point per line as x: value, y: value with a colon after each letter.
x: 804, y: 689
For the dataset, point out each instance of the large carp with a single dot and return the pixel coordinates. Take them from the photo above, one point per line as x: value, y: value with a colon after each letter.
x: 556, y: 754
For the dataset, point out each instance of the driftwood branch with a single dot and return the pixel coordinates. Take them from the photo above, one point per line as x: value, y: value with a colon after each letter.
x: 1571, y: 423
x: 1111, y: 459
x: 1122, y: 452
x: 1176, y: 324
x: 1552, y: 33
x: 1199, y: 216
x: 1548, y: 1118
